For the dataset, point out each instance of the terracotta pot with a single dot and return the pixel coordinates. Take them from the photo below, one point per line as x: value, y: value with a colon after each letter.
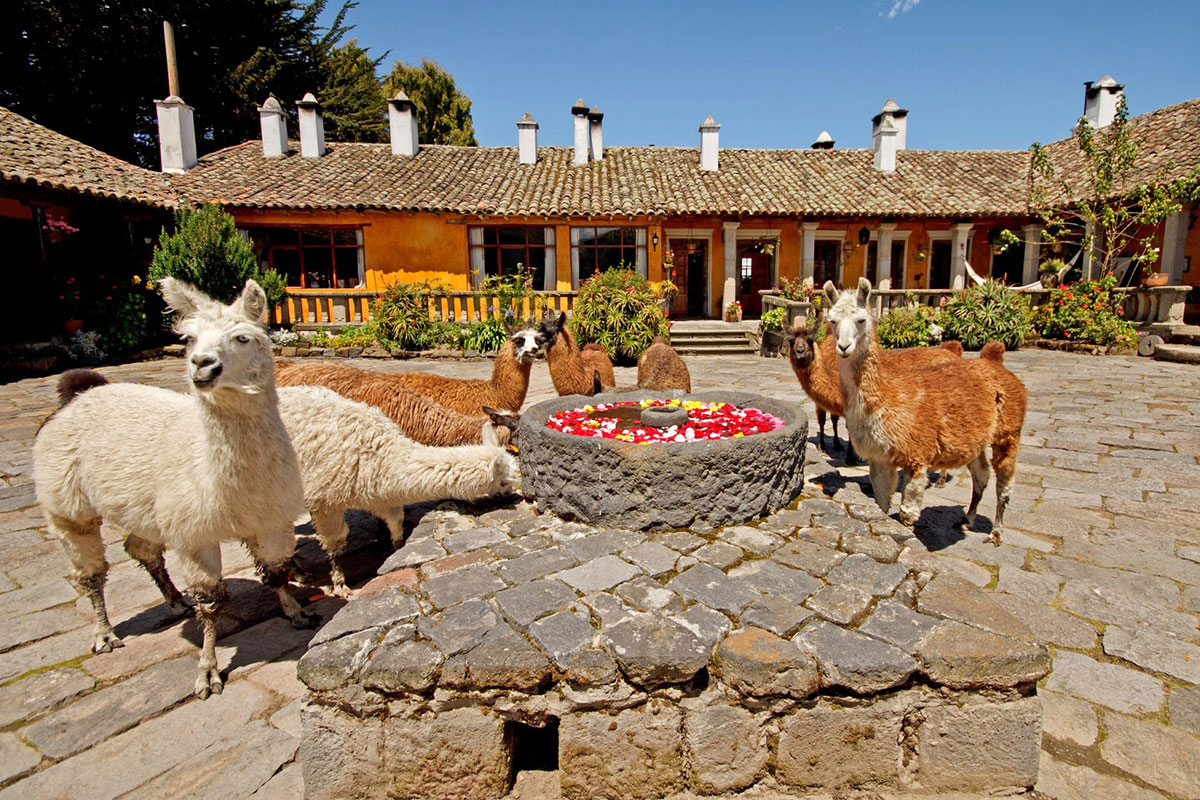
x: 72, y: 326
x: 1156, y: 279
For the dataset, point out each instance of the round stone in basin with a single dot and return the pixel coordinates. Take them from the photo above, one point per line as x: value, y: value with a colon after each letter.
x: 659, y: 486
x: 664, y: 416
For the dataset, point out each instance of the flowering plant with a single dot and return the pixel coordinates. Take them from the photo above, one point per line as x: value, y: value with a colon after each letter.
x: 802, y: 291
x: 733, y: 312
x: 72, y: 298
x: 706, y: 421
x: 1086, y: 312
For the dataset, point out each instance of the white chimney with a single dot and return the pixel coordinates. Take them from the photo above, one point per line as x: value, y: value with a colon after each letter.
x: 595, y: 137
x: 898, y: 116
x: 709, y: 149
x: 1100, y: 99
x: 824, y: 141
x: 580, y: 112
x: 312, y: 127
x: 402, y: 124
x: 274, y: 128
x: 176, y: 135
x: 527, y: 129
x: 885, y: 140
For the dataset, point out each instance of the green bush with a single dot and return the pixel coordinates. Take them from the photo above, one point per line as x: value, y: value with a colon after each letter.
x: 772, y: 319
x: 483, y: 337
x: 274, y: 286
x: 206, y: 251
x: 401, y: 318
x: 1086, y: 312
x: 619, y: 309
x: 909, y: 326
x: 989, y: 312
x: 121, y: 315
x: 350, y: 336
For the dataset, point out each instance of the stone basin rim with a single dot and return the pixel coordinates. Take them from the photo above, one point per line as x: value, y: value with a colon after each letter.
x: 537, y: 415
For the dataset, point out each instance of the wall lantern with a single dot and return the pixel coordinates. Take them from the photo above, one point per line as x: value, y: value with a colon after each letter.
x: 848, y: 249
x: 864, y: 235
x: 654, y: 241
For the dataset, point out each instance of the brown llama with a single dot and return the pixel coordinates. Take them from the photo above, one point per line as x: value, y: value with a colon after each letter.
x: 661, y: 369
x: 505, y: 390
x: 937, y: 417
x: 417, y: 415
x: 573, y: 370
x: 815, y: 365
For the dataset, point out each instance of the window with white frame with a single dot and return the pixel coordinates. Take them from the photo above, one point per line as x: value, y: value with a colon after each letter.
x: 503, y: 250
x: 595, y: 249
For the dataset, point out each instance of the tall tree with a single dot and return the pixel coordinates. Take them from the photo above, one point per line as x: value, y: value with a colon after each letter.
x: 91, y: 69
x: 352, y: 96
x: 443, y: 111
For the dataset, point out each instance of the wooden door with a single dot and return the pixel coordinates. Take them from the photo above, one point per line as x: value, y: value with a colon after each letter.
x: 679, y: 277
x: 939, y: 264
x: 755, y: 276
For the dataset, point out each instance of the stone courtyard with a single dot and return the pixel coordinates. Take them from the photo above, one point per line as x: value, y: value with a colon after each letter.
x: 1100, y: 561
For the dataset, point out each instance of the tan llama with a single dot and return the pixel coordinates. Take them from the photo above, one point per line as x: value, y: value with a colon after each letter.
x: 938, y: 417
x: 661, y: 369
x: 421, y: 418
x: 815, y: 365
x: 573, y: 370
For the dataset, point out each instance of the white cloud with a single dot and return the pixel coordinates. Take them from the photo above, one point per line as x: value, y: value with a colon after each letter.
x: 901, y: 7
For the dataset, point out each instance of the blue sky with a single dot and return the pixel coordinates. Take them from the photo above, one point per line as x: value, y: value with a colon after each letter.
x: 974, y: 75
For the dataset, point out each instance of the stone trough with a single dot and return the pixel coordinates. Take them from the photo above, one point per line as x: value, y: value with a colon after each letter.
x: 816, y: 651
x: 696, y: 485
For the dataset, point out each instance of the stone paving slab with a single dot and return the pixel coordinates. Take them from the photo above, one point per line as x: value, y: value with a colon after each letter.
x: 1127, y: 568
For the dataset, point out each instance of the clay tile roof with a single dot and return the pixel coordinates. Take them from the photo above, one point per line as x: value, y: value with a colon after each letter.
x: 33, y: 154
x: 629, y: 181
x: 1168, y: 139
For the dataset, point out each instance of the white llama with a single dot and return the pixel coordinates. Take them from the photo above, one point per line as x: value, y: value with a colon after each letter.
x: 353, y: 456
x: 178, y: 471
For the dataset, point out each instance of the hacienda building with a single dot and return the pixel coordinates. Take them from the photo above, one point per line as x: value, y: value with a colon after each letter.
x: 342, y: 217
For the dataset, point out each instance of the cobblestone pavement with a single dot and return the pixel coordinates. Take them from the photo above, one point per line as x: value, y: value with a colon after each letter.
x: 1101, y: 559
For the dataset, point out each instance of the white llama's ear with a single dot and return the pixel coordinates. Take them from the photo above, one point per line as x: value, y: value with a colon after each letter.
x: 864, y: 292
x: 831, y: 293
x: 182, y: 298
x: 253, y: 301
x: 489, y: 436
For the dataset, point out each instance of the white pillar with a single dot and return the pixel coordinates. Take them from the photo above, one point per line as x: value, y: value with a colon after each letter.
x: 709, y: 150
x: 312, y: 127
x: 731, y: 266
x: 402, y: 125
x: 580, y: 111
x: 958, y: 254
x: 527, y: 129
x: 176, y: 135
x: 1032, y: 236
x: 808, y: 250
x: 1086, y: 258
x: 1174, y: 241
x: 884, y: 260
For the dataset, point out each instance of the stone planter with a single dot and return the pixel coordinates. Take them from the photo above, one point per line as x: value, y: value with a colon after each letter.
x: 660, y: 486
x: 773, y: 344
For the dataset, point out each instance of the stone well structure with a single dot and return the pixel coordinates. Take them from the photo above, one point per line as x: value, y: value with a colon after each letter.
x: 815, y: 651
x: 697, y: 485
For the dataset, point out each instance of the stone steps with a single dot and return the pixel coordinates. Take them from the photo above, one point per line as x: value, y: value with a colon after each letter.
x: 729, y: 341
x: 1181, y: 353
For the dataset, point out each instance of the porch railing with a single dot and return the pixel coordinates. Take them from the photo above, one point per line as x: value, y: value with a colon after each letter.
x: 315, y: 309
x: 1141, y: 305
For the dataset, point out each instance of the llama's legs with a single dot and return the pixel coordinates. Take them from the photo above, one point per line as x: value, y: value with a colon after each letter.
x: 821, y: 430
x: 1004, y: 462
x: 150, y: 555
x: 202, y: 572
x: 981, y: 473
x: 837, y: 442
x: 851, y: 456
x: 394, y: 519
x: 332, y: 531
x: 883, y: 483
x: 913, y: 497
x: 272, y: 555
x: 89, y: 571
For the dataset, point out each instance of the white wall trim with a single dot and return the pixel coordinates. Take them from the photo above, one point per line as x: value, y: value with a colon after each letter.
x: 935, y: 236
x: 827, y: 234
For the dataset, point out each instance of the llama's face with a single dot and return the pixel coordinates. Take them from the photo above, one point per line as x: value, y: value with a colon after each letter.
x: 227, y: 346
x: 505, y: 477
x: 551, y: 325
x: 527, y: 343
x: 802, y: 342
x: 850, y: 317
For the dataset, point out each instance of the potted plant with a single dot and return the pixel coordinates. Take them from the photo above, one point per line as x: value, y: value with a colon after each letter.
x: 1155, y: 279
x: 771, y: 327
x: 1049, y: 271
x: 72, y: 305
x: 733, y: 312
